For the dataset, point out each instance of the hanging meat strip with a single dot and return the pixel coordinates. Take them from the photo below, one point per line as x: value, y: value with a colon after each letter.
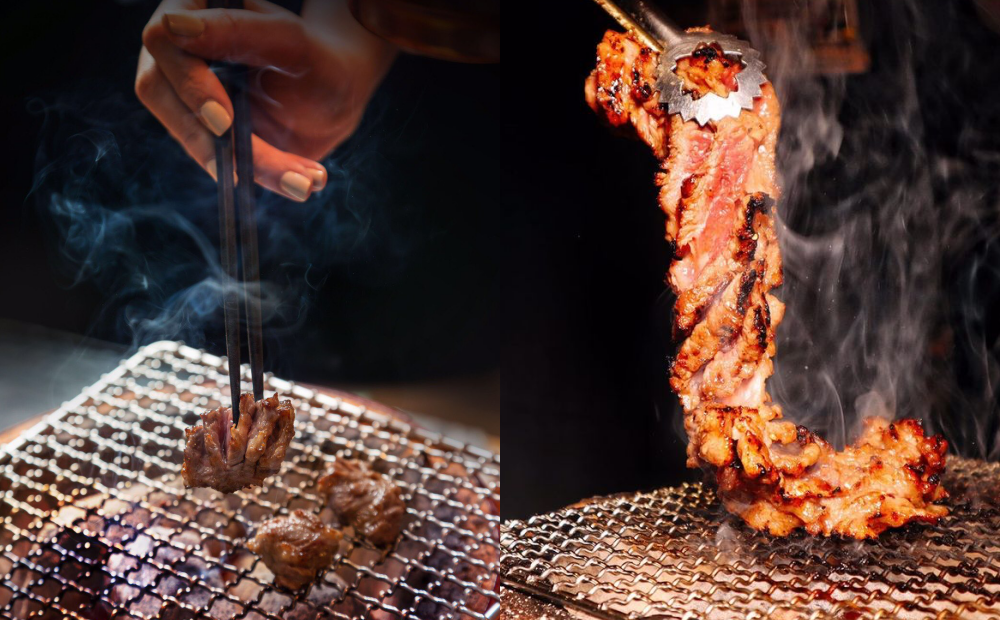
x: 718, y: 189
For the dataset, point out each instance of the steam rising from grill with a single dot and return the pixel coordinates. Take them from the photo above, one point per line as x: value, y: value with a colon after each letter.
x: 889, y: 227
x: 131, y: 215
x: 663, y: 554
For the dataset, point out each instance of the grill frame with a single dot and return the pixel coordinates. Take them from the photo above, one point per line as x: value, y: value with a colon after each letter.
x: 675, y: 553
x: 100, y: 477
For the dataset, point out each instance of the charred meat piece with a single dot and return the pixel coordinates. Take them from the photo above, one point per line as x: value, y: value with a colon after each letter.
x: 364, y: 499
x: 779, y: 477
x: 708, y: 70
x: 717, y: 189
x: 295, y: 547
x: 228, y: 457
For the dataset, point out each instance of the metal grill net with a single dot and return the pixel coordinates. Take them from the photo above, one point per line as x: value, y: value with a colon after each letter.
x: 95, y: 522
x: 673, y: 553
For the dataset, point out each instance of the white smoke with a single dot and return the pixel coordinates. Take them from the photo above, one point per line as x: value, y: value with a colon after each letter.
x: 888, y: 220
x: 130, y: 215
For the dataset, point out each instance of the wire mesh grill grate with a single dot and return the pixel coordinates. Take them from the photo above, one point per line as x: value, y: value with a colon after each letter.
x: 673, y: 553
x: 95, y: 522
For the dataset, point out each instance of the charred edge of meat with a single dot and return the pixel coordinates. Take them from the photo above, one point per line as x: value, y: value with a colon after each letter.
x: 803, y: 435
x: 736, y: 463
x: 761, y: 202
x: 758, y: 447
x: 641, y: 89
x: 709, y: 70
x: 760, y: 327
x: 747, y: 234
x: 769, y: 347
x: 747, y: 281
x: 708, y: 53
x: 746, y: 239
x: 688, y: 186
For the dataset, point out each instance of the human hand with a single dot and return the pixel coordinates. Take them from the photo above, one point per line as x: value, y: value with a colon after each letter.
x: 311, y: 79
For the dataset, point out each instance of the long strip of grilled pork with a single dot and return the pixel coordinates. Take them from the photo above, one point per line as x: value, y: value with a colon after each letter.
x: 718, y: 190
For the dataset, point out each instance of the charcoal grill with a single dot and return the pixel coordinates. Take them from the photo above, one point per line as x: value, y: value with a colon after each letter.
x: 95, y: 521
x: 674, y: 553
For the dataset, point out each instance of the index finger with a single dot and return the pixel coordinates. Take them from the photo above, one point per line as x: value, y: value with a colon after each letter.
x: 274, y: 39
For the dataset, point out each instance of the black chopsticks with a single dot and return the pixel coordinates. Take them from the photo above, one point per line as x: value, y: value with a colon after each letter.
x: 238, y: 193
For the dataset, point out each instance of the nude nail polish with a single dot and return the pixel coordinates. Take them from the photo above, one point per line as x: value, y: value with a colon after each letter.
x: 318, y: 178
x: 184, y: 25
x: 216, y: 117
x: 212, y: 169
x: 296, y: 185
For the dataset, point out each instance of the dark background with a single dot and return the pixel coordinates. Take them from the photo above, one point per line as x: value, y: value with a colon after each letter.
x: 485, y: 223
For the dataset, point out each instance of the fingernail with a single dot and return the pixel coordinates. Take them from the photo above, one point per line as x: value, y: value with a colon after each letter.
x: 296, y: 185
x: 216, y: 117
x: 184, y: 25
x: 318, y: 178
x: 212, y: 170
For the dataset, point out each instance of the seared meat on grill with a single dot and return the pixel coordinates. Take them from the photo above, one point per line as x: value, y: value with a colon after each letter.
x: 779, y: 477
x: 366, y: 500
x: 229, y: 457
x: 295, y: 547
x: 718, y: 188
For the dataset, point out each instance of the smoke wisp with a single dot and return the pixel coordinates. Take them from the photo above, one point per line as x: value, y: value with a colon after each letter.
x: 889, y: 225
x: 130, y: 215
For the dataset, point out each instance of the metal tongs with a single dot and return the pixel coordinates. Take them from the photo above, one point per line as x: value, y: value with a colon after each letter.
x: 656, y: 31
x: 236, y: 144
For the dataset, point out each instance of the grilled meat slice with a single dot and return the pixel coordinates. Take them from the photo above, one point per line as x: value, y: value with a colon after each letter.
x: 708, y: 70
x: 295, y: 547
x: 228, y: 457
x: 717, y: 189
x: 364, y: 499
x: 779, y: 480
